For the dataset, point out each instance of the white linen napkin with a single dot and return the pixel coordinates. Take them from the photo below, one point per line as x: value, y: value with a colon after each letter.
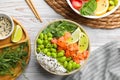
x: 103, y: 64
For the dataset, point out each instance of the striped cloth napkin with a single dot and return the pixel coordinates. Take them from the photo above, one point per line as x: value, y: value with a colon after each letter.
x: 103, y: 64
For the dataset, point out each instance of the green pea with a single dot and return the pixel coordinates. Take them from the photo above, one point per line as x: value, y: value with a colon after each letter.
x: 38, y: 50
x: 39, y: 41
x: 68, y: 59
x: 48, y: 54
x: 62, y: 59
x: 54, y: 55
x: 60, y: 54
x: 53, y: 50
x: 111, y: 2
x: 69, y: 67
x: 65, y: 64
x: 111, y: 7
x: 41, y: 36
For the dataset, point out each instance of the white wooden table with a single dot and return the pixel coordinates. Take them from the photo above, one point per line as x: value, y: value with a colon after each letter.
x: 20, y: 10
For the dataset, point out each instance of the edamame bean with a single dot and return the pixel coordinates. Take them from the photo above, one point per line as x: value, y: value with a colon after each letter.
x: 45, y: 36
x: 45, y: 42
x: 60, y: 54
x: 38, y: 50
x: 38, y: 46
x: 69, y: 67
x: 49, y: 38
x: 111, y: 2
x: 50, y: 35
x: 61, y: 63
x: 41, y: 46
x: 74, y: 65
x: 77, y: 66
x: 41, y: 36
x: 115, y: 2
x: 54, y: 55
x: 71, y: 61
x: 62, y: 59
x: 39, y: 41
x: 111, y: 7
x: 48, y: 45
x: 53, y: 50
x: 48, y: 54
x: 45, y: 51
x: 54, y: 45
x: 62, y: 51
x: 65, y: 64
x: 68, y: 59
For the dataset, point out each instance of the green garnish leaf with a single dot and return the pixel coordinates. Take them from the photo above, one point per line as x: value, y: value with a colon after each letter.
x: 23, y: 64
x: 11, y: 57
x: 59, y: 28
x: 89, y: 7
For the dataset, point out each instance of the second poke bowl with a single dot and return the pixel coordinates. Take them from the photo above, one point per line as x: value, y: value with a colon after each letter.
x: 62, y: 47
x: 94, y: 8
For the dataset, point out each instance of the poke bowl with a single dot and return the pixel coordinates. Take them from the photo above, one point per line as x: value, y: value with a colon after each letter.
x: 62, y: 47
x: 94, y: 8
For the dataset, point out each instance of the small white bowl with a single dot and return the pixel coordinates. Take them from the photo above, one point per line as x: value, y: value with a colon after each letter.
x: 95, y: 17
x: 12, y: 25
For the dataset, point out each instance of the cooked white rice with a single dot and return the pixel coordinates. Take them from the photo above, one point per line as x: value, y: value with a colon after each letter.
x: 50, y: 64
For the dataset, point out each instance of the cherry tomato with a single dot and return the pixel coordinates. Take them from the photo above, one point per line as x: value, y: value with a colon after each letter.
x: 77, y: 4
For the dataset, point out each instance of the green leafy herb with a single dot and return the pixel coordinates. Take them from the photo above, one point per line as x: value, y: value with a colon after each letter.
x: 89, y: 7
x: 58, y: 28
x: 11, y: 57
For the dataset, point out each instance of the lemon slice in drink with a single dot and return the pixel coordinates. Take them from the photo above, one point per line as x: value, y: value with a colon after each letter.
x: 76, y: 35
x: 17, y: 34
x: 102, y: 7
x: 83, y: 42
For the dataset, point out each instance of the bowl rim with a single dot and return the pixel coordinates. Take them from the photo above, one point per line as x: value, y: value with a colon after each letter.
x: 12, y: 25
x: 63, y: 74
x: 94, y: 17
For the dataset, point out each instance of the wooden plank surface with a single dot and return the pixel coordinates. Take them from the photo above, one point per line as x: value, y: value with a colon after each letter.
x: 20, y: 10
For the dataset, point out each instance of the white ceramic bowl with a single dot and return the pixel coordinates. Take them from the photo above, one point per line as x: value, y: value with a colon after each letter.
x: 12, y: 25
x: 74, y: 71
x: 95, y: 17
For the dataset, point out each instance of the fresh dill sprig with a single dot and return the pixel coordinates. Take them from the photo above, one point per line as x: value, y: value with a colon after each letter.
x: 11, y: 57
